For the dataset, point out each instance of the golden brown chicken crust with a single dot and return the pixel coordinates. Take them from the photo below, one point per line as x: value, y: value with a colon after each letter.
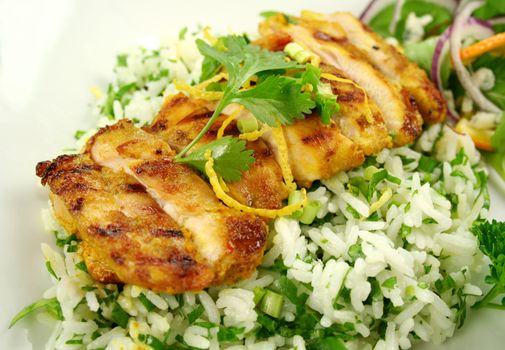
x: 217, y: 232
x: 353, y: 116
x: 126, y: 236
x: 328, y: 40
x: 261, y: 186
x: 393, y: 64
x: 317, y: 151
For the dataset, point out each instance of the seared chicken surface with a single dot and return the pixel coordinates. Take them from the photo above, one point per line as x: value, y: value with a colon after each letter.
x: 145, y: 219
x: 181, y: 118
x: 396, y: 97
x: 126, y: 235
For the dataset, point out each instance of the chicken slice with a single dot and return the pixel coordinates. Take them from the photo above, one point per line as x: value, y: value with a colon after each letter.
x: 317, y: 151
x: 329, y: 42
x: 178, y: 124
x: 231, y: 242
x: 395, y: 66
x: 126, y: 236
x: 360, y: 120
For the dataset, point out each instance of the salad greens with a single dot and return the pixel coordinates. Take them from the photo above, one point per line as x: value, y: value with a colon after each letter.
x: 486, y: 68
x: 491, y: 236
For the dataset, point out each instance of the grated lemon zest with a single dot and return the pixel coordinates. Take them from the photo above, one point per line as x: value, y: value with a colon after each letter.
x: 96, y: 91
x: 278, y: 135
x: 214, y: 79
x: 215, y: 182
x: 223, y: 185
x: 368, y: 116
x: 227, y: 122
x: 254, y: 135
x: 209, y: 36
x: 388, y: 193
x: 198, y: 91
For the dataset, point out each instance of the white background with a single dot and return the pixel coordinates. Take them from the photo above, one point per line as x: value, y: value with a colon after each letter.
x: 51, y: 52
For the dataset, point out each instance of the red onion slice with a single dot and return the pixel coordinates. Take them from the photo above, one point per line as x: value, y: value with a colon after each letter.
x: 396, y: 16
x: 464, y: 77
x: 373, y: 7
x: 497, y: 20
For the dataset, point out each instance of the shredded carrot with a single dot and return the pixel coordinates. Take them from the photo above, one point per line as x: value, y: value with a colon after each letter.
x: 216, y: 184
x: 483, y: 46
x: 369, y: 116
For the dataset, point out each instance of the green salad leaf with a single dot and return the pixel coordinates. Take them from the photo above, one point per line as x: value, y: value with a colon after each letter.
x: 442, y: 18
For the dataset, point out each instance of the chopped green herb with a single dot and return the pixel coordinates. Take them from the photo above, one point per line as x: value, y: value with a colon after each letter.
x: 52, y: 306
x: 271, y: 303
x: 82, y: 266
x: 229, y: 154
x: 389, y: 283
x: 119, y: 316
x: 146, y: 302
x: 427, y: 164
x: 196, y: 313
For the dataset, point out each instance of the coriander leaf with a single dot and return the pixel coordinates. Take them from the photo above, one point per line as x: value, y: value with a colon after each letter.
x: 243, y: 60
x: 312, y: 76
x: 327, y: 106
x: 50, y: 305
x: 276, y: 99
x: 491, y: 237
x: 498, y: 138
x: 230, y: 158
x: 210, y: 67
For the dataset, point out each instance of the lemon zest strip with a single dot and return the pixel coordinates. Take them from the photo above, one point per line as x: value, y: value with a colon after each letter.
x: 254, y: 135
x: 282, y: 147
x: 197, y: 91
x: 386, y: 195
x: 215, y: 182
x: 227, y: 122
x: 369, y: 115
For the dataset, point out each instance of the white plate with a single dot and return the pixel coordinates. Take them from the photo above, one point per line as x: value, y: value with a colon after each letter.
x: 51, y: 52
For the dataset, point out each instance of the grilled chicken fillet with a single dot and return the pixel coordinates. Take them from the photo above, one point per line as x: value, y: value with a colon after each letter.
x: 328, y: 40
x: 230, y: 242
x: 391, y: 63
x: 180, y: 120
x: 126, y: 236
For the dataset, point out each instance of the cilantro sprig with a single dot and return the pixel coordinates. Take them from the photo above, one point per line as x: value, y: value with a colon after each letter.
x: 491, y: 237
x: 275, y: 99
x: 230, y: 157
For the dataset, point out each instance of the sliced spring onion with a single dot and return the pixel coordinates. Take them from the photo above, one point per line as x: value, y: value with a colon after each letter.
x: 247, y: 124
x: 259, y: 293
x: 297, y: 52
x: 272, y: 303
x: 295, y: 197
x: 309, y: 212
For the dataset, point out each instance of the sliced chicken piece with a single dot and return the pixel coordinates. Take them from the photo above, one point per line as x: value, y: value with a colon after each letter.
x: 359, y: 118
x: 329, y: 42
x: 317, y: 151
x: 126, y: 236
x: 387, y: 59
x: 261, y: 186
x: 229, y: 241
